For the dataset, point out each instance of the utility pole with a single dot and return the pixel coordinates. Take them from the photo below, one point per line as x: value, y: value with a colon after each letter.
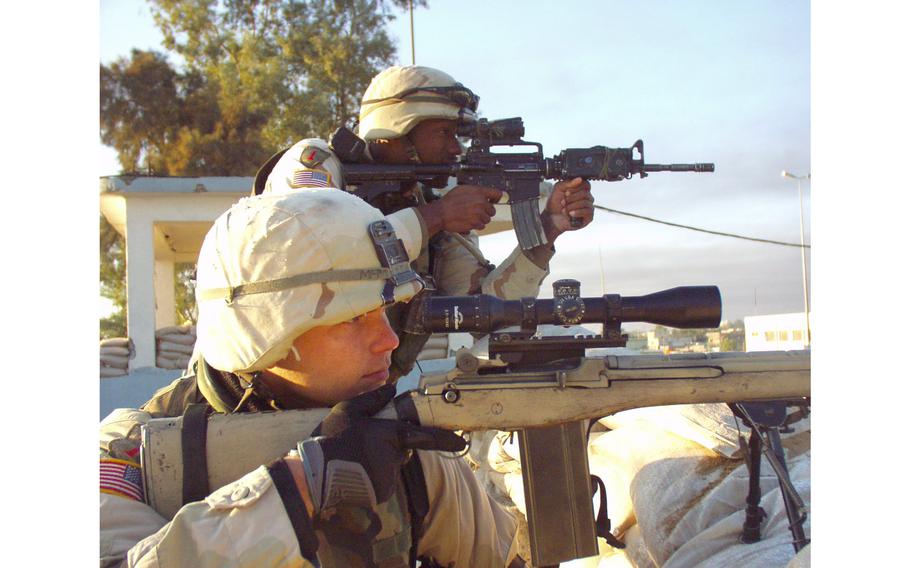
x: 802, y: 249
x: 411, y: 9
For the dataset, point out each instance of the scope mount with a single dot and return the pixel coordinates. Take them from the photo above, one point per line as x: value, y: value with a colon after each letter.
x: 525, y: 347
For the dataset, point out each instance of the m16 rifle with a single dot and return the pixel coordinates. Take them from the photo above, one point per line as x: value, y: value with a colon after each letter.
x: 545, y: 388
x: 517, y: 174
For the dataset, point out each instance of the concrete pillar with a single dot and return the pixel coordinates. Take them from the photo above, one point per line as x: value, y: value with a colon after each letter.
x: 165, y: 301
x: 140, y: 294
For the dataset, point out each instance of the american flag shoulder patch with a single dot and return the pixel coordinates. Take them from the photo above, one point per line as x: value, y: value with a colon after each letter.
x: 311, y: 178
x: 121, y: 477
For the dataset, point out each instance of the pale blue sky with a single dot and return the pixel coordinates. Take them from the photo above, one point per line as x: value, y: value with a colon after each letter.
x: 705, y: 80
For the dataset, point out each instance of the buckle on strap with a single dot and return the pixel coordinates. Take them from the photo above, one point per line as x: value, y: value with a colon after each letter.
x: 392, y: 255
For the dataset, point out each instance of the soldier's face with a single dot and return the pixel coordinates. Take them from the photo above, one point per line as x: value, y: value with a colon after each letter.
x: 436, y: 141
x: 337, y: 362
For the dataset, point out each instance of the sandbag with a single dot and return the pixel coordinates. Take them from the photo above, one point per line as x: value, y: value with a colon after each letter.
x: 712, y: 426
x: 116, y: 342
x: 118, y: 361
x: 118, y: 351
x: 179, y: 329
x: 175, y: 347
x: 635, y: 551
x: 427, y: 354
x: 716, y: 542
x: 178, y: 338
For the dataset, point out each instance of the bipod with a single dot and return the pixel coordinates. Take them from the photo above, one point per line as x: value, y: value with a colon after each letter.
x: 766, y: 420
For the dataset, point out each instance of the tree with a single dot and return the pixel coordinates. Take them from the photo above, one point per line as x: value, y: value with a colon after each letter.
x: 113, y: 280
x: 253, y: 77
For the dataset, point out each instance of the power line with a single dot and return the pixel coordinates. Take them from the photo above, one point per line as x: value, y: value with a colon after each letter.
x: 627, y: 214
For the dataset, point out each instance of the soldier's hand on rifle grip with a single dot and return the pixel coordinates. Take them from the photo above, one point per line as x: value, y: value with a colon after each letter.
x: 462, y: 209
x: 570, y: 200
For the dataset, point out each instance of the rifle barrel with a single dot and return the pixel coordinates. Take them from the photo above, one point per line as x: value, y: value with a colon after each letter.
x: 700, y: 167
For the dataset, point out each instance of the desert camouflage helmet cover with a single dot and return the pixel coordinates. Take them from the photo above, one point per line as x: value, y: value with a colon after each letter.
x: 308, y: 163
x: 400, y: 97
x: 275, y: 266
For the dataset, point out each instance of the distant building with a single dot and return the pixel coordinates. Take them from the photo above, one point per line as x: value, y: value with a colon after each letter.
x: 776, y: 332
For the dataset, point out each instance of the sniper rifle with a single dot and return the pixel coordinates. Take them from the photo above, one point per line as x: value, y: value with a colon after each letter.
x: 545, y: 388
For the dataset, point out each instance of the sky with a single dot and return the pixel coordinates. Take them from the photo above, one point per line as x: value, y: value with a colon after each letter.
x: 706, y: 81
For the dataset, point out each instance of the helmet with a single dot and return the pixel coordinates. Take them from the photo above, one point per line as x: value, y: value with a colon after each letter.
x: 400, y: 97
x: 274, y: 266
x: 308, y: 163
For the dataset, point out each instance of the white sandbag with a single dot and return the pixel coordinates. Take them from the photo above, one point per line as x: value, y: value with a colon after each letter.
x: 112, y: 372
x: 428, y: 354
x: 119, y: 351
x: 175, y: 347
x: 117, y: 361
x: 620, y: 455
x: 178, y: 329
x: 179, y: 338
x: 635, y: 552
x: 716, y: 544
x: 803, y: 558
x: 116, y: 342
x: 710, y: 425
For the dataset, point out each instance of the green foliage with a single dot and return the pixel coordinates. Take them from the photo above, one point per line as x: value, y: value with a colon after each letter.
x: 184, y: 280
x: 253, y: 77
x: 113, y: 280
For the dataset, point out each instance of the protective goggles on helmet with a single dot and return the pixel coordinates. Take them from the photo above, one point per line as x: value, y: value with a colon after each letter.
x: 457, y: 94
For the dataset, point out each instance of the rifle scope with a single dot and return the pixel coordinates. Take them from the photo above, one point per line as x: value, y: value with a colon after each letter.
x: 682, y: 307
x: 501, y: 130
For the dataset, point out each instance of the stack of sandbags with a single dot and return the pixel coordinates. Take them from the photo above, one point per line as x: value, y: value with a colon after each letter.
x: 676, y: 486
x: 174, y: 346
x: 116, y: 353
x: 688, y: 485
x: 436, y: 347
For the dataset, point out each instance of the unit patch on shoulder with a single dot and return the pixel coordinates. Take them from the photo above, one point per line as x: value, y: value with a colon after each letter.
x: 311, y: 178
x: 312, y: 156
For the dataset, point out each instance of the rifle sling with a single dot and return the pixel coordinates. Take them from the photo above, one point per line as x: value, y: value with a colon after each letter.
x: 192, y: 441
x: 603, y: 521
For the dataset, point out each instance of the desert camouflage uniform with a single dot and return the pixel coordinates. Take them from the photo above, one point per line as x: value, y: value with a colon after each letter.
x: 245, y: 523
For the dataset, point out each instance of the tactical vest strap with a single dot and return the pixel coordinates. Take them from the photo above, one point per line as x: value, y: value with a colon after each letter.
x: 418, y: 502
x: 296, y: 510
x: 195, y: 466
